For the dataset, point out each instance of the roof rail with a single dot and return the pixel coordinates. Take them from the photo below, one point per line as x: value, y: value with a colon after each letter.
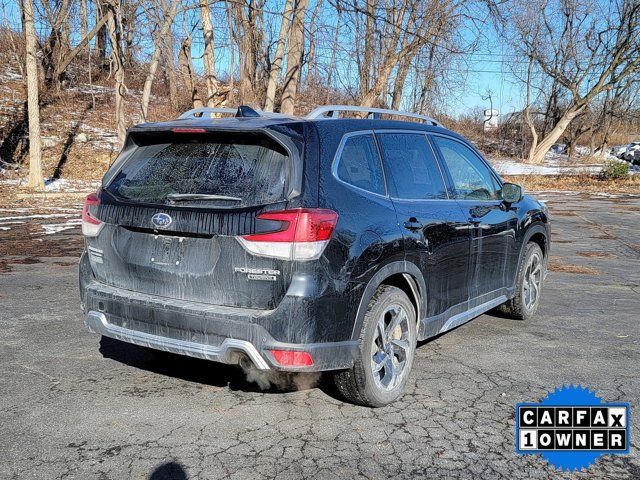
x: 241, y: 111
x: 207, y: 111
x: 333, y: 111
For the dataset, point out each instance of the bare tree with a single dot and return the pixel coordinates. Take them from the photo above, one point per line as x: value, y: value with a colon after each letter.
x: 248, y: 35
x: 169, y: 64
x: 389, y: 36
x: 208, y: 57
x: 186, y: 69
x: 83, y: 18
x: 276, y: 64
x: 167, y: 21
x: 586, y: 48
x: 117, y: 60
x: 295, y: 53
x: 33, y: 102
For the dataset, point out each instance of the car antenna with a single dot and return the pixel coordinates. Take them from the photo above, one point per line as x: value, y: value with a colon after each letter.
x: 244, y: 111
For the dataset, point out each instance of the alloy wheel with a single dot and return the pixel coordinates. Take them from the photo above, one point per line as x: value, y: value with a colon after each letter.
x: 532, y: 281
x: 391, y: 347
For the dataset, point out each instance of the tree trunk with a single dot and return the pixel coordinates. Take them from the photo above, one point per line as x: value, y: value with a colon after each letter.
x: 527, y: 115
x: 170, y: 71
x: 382, y: 77
x: 366, y: 66
x: 398, y: 84
x: 276, y: 65
x: 208, y: 56
x: 83, y: 18
x: 312, y: 61
x: 232, y: 54
x: 246, y: 46
x: 35, y: 157
x: 155, y: 57
x: 118, y: 66
x: 537, y: 154
x: 101, y: 40
x: 295, y: 54
x: 186, y: 69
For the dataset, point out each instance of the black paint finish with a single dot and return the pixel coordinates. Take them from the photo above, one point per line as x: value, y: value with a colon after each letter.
x: 448, y: 254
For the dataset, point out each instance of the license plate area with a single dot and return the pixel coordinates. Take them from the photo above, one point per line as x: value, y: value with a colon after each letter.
x: 167, y: 250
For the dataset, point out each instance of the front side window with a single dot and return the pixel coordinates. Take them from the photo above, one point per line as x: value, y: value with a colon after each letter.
x: 472, y: 180
x: 359, y: 164
x: 411, y: 166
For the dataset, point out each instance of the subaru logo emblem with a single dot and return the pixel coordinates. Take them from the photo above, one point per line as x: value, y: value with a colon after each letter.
x: 161, y: 220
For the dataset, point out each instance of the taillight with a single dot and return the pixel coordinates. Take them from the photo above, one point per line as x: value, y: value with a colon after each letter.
x: 91, y: 226
x: 290, y: 358
x: 303, y: 235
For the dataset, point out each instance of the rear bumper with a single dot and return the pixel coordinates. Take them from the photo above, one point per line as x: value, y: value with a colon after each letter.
x: 217, y: 333
x: 226, y: 352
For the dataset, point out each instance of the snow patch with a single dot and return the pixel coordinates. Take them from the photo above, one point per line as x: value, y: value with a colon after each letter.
x: 51, y: 228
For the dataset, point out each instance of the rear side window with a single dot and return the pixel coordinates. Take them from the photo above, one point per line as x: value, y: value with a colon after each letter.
x: 242, y: 171
x: 472, y: 180
x: 359, y: 164
x: 411, y: 166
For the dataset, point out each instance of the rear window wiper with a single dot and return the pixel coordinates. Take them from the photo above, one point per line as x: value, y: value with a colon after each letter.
x: 186, y: 197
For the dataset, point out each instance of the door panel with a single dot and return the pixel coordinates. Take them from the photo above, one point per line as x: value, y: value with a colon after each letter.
x: 435, y: 230
x: 491, y: 224
x: 436, y: 237
x: 493, y: 242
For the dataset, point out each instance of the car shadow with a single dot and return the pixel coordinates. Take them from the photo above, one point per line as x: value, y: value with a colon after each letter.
x: 169, y: 471
x: 209, y: 373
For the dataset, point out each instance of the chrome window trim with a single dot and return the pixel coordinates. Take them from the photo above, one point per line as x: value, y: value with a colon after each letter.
x: 338, y: 156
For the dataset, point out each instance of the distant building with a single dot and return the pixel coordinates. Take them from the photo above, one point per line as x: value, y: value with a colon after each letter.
x: 491, y: 119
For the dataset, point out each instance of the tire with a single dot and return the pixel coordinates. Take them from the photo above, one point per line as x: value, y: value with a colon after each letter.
x: 361, y: 384
x: 522, y: 306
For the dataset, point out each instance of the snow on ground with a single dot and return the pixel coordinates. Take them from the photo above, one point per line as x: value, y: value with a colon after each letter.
x: 554, y: 164
x: 61, y: 185
x: 48, y: 219
x: 511, y: 167
x: 51, y: 228
x: 70, y: 186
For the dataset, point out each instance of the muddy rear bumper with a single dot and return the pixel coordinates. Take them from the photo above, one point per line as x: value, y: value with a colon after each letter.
x: 217, y: 333
x: 226, y: 352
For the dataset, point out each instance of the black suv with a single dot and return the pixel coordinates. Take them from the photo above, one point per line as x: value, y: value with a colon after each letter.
x: 306, y: 244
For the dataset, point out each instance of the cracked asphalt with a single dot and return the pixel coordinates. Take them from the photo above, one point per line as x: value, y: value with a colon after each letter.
x: 73, y: 406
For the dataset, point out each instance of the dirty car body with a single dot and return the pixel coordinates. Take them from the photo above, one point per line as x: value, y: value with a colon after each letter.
x: 265, y: 238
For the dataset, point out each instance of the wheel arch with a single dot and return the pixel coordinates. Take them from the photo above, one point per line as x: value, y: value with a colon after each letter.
x: 538, y: 234
x: 401, y: 274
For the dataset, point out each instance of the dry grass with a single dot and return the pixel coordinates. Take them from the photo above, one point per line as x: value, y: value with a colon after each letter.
x: 564, y: 213
x: 557, y: 265
x: 582, y: 183
x: 596, y: 254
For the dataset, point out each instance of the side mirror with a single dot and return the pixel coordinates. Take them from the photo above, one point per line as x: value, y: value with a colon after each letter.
x: 512, y: 193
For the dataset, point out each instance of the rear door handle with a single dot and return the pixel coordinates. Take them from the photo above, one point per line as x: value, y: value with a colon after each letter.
x: 413, y: 224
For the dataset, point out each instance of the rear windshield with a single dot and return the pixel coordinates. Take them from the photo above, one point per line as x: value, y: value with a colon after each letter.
x: 229, y: 172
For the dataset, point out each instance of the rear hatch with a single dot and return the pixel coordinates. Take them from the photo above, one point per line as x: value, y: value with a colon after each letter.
x: 175, y: 209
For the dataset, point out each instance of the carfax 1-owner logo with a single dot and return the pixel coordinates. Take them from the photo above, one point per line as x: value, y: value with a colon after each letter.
x: 572, y: 427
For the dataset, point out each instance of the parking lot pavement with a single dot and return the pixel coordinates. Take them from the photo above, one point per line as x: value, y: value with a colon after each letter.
x: 74, y: 407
